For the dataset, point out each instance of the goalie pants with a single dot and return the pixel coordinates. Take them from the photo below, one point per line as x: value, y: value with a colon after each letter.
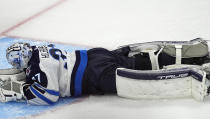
x: 99, y: 76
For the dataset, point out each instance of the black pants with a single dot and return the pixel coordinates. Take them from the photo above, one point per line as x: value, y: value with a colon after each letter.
x: 99, y: 76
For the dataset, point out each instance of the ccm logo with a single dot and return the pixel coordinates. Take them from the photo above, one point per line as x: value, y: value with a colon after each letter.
x: 173, y: 76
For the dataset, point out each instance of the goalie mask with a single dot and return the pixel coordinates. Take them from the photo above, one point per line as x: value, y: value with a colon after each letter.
x: 19, y: 54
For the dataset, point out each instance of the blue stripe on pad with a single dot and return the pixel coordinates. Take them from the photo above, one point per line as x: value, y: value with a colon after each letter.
x: 159, y: 75
x: 80, y: 72
x: 196, y: 75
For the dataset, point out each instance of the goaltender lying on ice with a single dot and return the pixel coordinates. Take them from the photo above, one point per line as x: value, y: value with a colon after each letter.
x: 163, y: 69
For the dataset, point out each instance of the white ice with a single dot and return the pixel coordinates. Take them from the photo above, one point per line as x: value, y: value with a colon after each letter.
x: 111, y: 23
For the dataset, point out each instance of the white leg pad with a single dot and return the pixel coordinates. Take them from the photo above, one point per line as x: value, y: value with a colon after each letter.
x: 176, y: 83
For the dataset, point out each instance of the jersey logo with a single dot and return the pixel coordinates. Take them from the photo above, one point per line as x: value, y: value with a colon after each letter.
x: 36, y: 77
x: 28, y: 70
x: 57, y: 54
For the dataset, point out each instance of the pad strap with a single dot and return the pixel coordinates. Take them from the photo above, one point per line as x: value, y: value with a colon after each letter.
x: 178, y: 54
x: 153, y: 60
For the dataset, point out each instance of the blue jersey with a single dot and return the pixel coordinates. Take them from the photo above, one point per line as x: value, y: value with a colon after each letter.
x: 53, y: 73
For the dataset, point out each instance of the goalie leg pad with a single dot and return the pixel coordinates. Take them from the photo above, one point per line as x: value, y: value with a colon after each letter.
x: 197, y: 48
x: 167, y: 83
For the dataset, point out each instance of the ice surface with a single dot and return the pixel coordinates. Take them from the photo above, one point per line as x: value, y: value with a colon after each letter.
x: 110, y: 23
x: 13, y: 12
x: 113, y: 107
x: 13, y: 110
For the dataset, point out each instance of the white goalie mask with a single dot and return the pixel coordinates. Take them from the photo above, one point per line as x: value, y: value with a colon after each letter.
x: 19, y: 54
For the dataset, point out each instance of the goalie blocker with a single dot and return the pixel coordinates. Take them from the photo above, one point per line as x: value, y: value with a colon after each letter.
x: 11, y: 85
